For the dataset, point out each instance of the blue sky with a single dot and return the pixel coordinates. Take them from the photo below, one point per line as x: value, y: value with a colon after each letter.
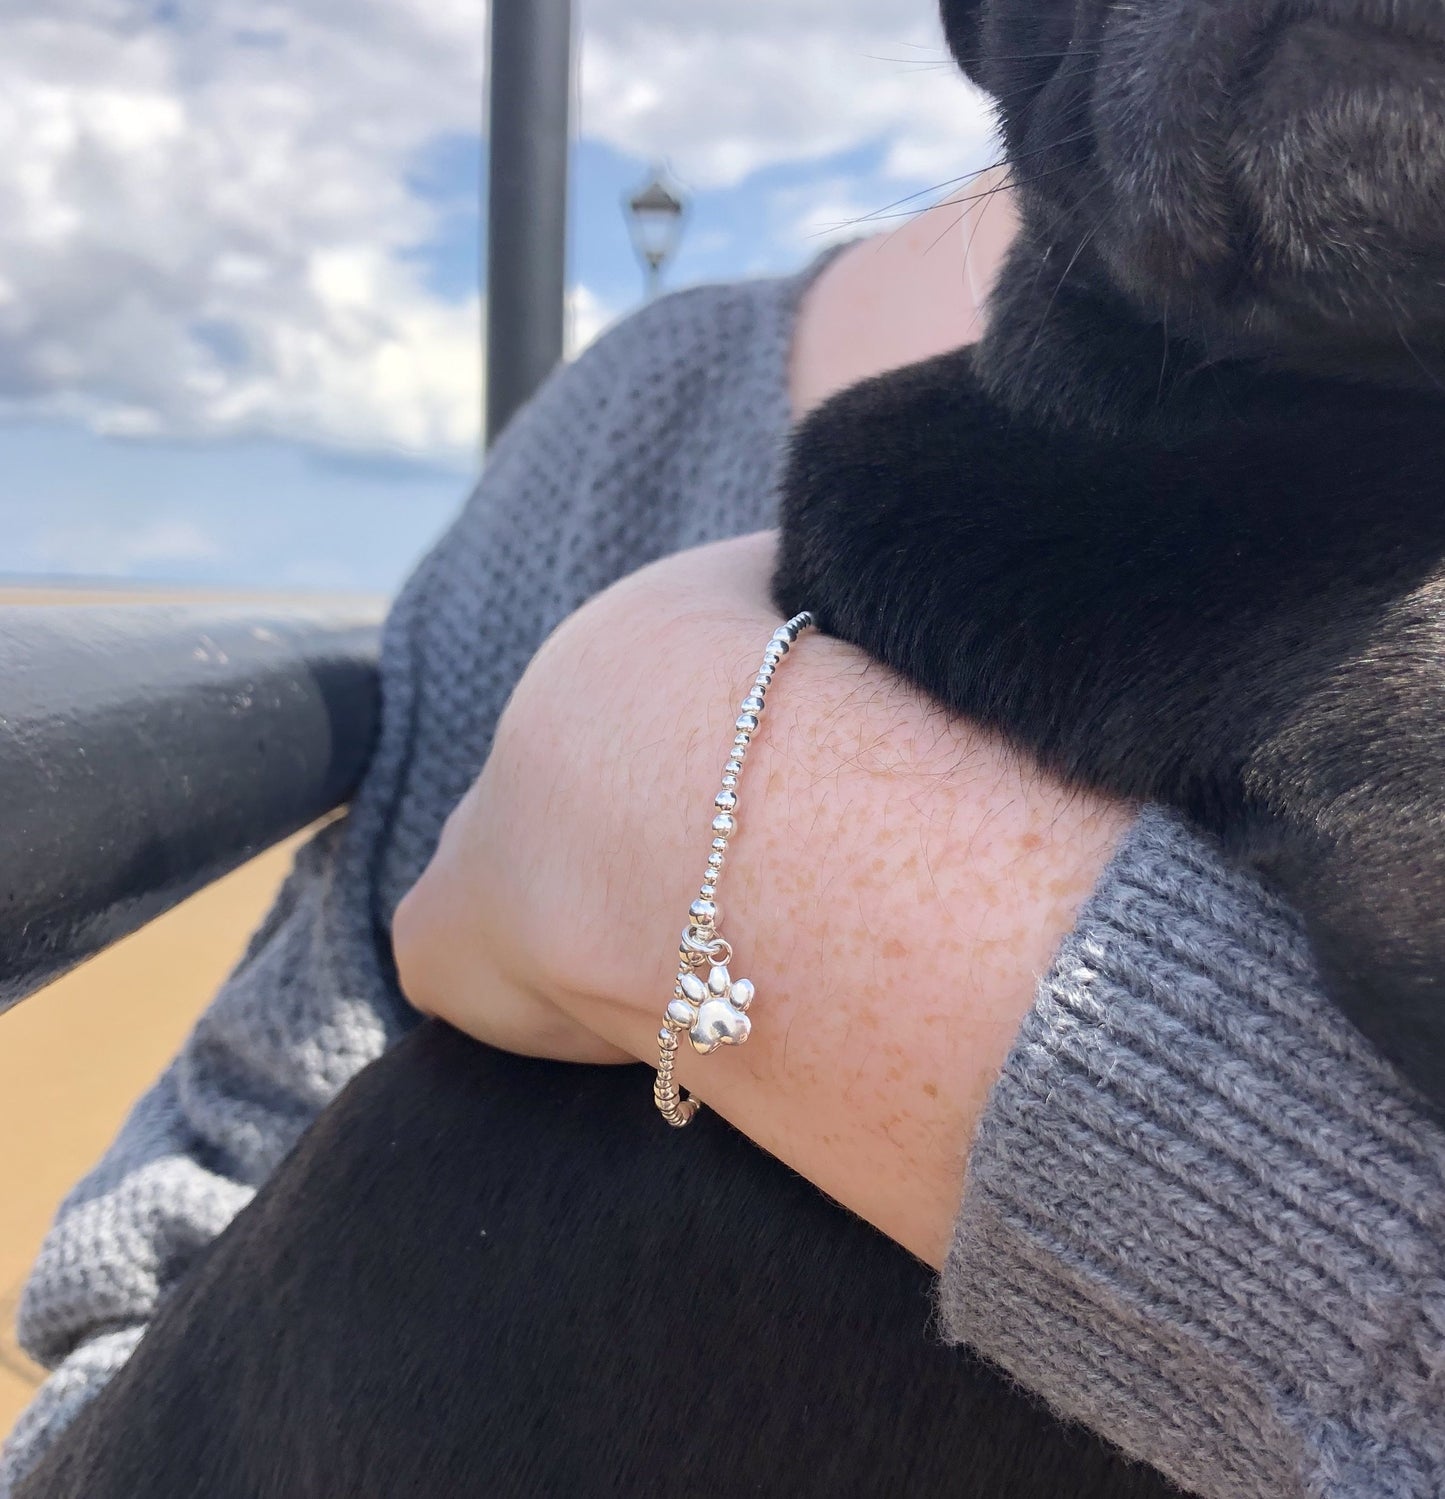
x: 239, y: 303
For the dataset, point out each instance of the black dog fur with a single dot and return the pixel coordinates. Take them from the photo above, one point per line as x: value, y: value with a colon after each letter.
x: 1171, y: 528
x: 480, y: 1274
x: 1177, y: 525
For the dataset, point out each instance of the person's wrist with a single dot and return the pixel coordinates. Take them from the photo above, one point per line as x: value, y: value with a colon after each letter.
x: 898, y: 881
x: 830, y: 712
x: 657, y: 757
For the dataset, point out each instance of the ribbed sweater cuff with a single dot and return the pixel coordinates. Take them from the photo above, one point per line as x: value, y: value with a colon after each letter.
x: 1202, y: 1216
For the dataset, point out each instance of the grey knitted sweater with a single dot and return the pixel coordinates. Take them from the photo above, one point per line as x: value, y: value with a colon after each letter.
x: 1201, y: 1215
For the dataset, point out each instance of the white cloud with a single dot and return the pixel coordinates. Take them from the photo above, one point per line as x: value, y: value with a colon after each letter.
x: 724, y: 87
x: 207, y: 225
x: 587, y: 316
x: 204, y: 224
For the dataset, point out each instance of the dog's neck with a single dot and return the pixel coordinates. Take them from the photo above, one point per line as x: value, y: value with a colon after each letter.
x: 1064, y: 350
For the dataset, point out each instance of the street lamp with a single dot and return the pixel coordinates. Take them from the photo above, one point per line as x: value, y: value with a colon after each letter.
x: 654, y: 219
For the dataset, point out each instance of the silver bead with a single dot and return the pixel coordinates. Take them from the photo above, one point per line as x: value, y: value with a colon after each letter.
x: 707, y: 889
x: 667, y: 1039
x: 725, y: 800
x: 724, y: 825
x: 752, y: 704
x: 740, y: 745
x: 747, y: 723
x: 720, y: 845
x: 715, y: 860
x: 680, y: 1014
x: 703, y: 913
x: 734, y: 767
x: 729, y: 781
x: 778, y: 647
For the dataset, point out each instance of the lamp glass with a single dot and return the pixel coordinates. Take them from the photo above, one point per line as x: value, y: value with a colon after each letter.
x: 654, y: 216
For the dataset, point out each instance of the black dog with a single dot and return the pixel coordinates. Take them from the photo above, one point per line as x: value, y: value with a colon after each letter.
x: 1177, y: 526
x: 482, y: 1275
x: 1171, y: 528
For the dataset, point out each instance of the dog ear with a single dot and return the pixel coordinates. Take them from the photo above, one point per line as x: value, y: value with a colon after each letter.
x: 963, y: 30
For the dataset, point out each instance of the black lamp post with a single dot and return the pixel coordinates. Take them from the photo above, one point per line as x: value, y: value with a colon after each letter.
x: 530, y: 80
x: 654, y: 219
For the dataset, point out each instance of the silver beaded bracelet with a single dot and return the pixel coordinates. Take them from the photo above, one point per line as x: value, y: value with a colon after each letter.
x: 714, y: 1012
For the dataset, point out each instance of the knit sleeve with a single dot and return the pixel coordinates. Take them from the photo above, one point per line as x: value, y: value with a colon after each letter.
x: 1202, y: 1215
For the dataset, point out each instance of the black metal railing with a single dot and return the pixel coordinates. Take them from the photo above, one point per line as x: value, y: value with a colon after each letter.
x: 145, y: 751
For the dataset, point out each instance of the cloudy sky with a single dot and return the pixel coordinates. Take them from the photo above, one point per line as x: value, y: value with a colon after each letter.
x: 239, y: 303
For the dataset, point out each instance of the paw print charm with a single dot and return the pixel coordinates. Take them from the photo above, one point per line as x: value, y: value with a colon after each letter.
x: 715, y: 1013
